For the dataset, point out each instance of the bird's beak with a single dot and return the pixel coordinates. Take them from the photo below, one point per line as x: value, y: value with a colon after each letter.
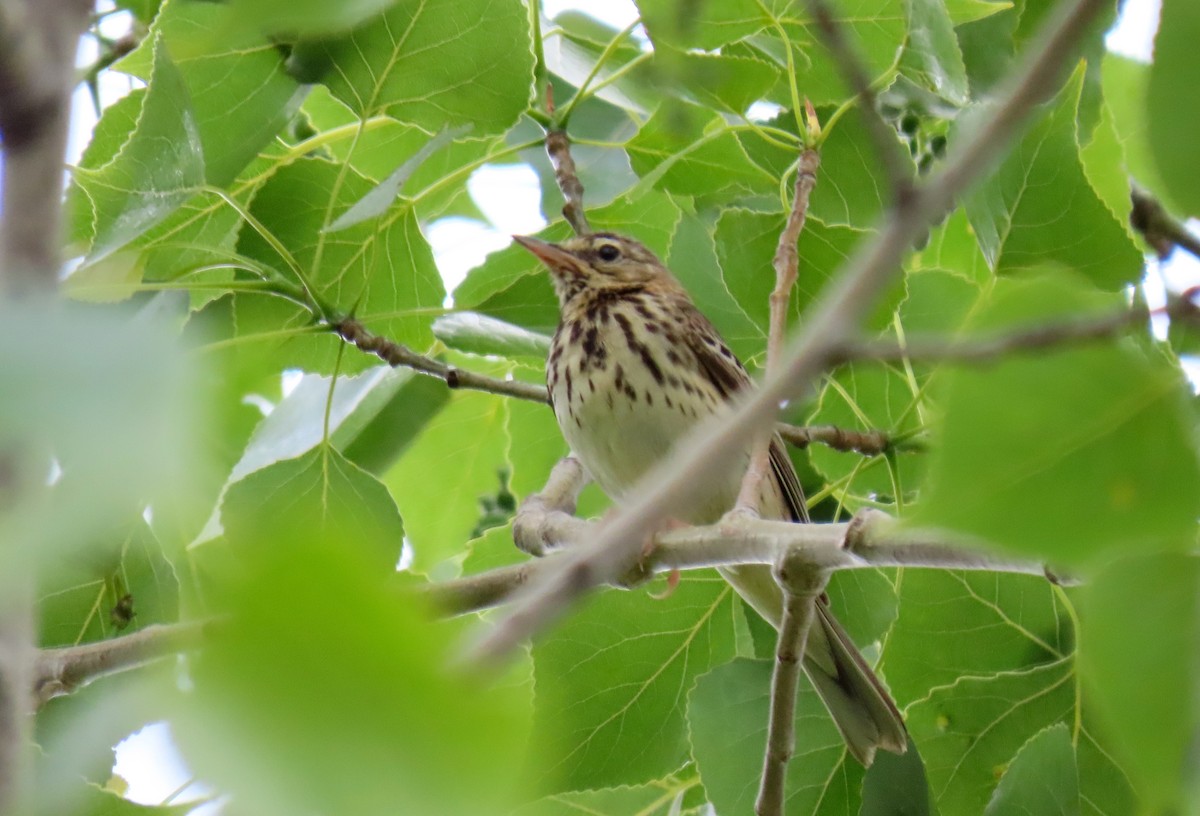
x: 552, y: 255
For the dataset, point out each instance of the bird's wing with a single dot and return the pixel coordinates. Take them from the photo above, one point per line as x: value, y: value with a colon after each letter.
x: 722, y: 367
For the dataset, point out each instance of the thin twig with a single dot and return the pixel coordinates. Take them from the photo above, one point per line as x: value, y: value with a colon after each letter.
x: 58, y: 672
x: 802, y: 583
x: 1035, y: 338
x: 558, y: 147
x: 1160, y: 229
x: 786, y: 264
x: 669, y: 488
x: 854, y: 71
x: 397, y: 355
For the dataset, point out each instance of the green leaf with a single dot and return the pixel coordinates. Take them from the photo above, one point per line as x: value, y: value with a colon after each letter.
x: 959, y: 624
x: 687, y: 150
x: 456, y: 460
x: 1038, y: 207
x: 706, y: 26
x: 515, y: 287
x: 1141, y: 621
x: 366, y: 670
x: 1126, y: 86
x: 234, y: 78
x: 876, y: 28
x: 728, y: 711
x: 719, y: 81
x: 380, y: 198
x: 435, y: 63
x: 851, y: 185
x: 390, y: 419
x: 321, y: 495
x: 159, y: 167
x: 573, y: 48
x: 652, y: 799
x: 969, y: 730
x: 304, y: 18
x: 746, y: 242
x: 479, y: 334
x: 124, y: 583
x: 693, y: 259
x: 1172, y: 125
x: 1105, y: 426
x: 382, y: 271
x: 865, y: 602
x: 966, y: 11
x: 895, y: 785
x: 932, y: 57
x: 1042, y: 779
x: 612, y: 681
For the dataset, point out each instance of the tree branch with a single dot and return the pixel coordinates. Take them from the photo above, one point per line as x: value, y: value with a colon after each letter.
x: 1160, y: 229
x: 871, y: 540
x: 38, y: 40
x: 558, y: 146
x: 786, y: 263
x: 397, y: 355
x: 58, y: 672
x: 669, y: 488
x: 1035, y: 338
x: 802, y: 584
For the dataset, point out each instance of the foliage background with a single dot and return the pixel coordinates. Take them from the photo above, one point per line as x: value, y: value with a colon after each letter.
x: 209, y: 213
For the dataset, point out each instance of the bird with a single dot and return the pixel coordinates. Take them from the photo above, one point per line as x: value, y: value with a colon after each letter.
x: 632, y: 367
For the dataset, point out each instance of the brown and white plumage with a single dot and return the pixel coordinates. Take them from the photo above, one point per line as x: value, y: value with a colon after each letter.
x: 633, y: 367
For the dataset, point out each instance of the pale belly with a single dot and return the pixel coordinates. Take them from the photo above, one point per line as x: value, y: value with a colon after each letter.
x: 621, y: 424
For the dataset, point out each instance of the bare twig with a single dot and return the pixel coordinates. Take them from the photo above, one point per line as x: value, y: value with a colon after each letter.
x: 1035, y: 338
x: 786, y: 263
x: 669, y: 487
x: 558, y: 146
x: 802, y: 583
x: 62, y: 671
x: 1160, y: 229
x: 397, y: 355
x: 854, y: 71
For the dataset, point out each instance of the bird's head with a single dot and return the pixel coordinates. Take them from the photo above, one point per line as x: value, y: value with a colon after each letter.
x: 597, y: 261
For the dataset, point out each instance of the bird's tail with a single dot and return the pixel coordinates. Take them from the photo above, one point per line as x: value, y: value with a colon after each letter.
x: 860, y: 706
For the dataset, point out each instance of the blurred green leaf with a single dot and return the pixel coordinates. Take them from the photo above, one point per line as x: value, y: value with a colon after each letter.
x: 1027, y: 442
x: 1039, y: 207
x: 1042, y: 779
x: 1171, y: 125
x: 319, y: 651
x: 1141, y: 622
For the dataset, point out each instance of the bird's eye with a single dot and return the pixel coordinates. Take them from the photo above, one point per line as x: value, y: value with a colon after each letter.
x: 608, y: 252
